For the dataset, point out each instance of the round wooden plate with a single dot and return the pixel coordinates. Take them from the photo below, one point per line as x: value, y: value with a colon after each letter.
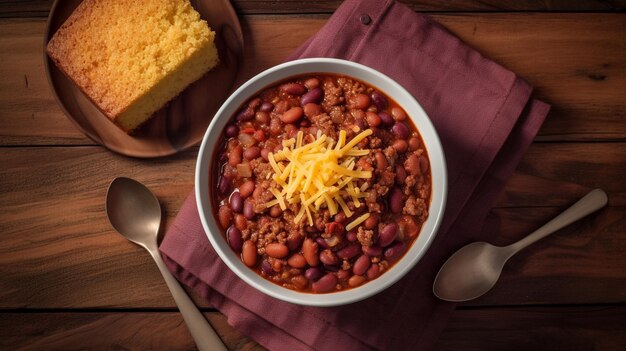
x: 179, y: 124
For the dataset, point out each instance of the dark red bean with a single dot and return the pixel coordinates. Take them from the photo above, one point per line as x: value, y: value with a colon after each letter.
x: 400, y: 174
x: 225, y: 216
x: 424, y: 165
x: 331, y: 268
x: 396, y: 201
x: 335, y: 228
x: 343, y: 274
x: 232, y: 131
x: 341, y: 218
x: 372, y: 119
x: 266, y: 107
x: 245, y: 115
x: 395, y: 250
x: 388, y: 234
x: 265, y: 153
x: 224, y: 185
x: 385, y: 119
x: 248, y: 210
x: 349, y: 251
x: 325, y: 284
x: 379, y: 100
x: 372, y: 250
x: 266, y: 267
x: 251, y: 153
x: 412, y: 165
x: 328, y: 257
x: 321, y: 242
x: 313, y: 273
x: 400, y: 130
x: 236, y: 202
x: 246, y: 189
x: 234, y: 238
x: 351, y: 236
x: 414, y: 143
x: 292, y: 115
x: 293, y: 88
x: 400, y: 146
x: 361, y: 265
x: 294, y: 241
x: 312, y: 96
x: 254, y: 103
x: 373, y: 272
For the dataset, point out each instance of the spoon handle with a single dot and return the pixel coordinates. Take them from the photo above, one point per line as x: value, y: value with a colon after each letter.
x: 593, y: 201
x: 201, y: 331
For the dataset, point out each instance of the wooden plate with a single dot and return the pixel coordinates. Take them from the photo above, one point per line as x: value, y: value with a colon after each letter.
x: 183, y: 121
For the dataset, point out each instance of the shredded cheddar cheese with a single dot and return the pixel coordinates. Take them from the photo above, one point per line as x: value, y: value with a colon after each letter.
x: 357, y: 221
x: 319, y: 174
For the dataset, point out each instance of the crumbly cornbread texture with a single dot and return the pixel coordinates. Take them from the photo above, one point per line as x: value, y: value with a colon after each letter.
x: 131, y: 57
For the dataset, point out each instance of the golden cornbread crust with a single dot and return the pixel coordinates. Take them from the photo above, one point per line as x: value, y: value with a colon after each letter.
x: 131, y: 57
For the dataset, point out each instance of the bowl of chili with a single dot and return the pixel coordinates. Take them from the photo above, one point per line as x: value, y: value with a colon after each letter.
x: 321, y: 182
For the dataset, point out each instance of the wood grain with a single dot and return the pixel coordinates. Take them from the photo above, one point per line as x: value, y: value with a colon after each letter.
x: 40, y: 8
x: 537, y: 328
x: 579, y: 68
x: 58, y: 249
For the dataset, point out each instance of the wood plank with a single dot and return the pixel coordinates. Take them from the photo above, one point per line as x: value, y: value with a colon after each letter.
x: 575, y: 61
x: 537, y: 328
x: 59, y: 251
x: 40, y: 8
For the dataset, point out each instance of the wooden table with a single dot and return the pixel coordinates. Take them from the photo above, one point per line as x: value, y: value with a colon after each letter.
x: 67, y: 281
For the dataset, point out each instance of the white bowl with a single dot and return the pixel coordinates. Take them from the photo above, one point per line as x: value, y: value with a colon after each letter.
x: 339, y: 67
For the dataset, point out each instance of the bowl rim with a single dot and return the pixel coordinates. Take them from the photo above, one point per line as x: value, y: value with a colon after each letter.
x: 279, y: 73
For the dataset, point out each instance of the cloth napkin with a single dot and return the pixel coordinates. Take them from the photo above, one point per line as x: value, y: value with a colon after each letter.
x: 486, y: 120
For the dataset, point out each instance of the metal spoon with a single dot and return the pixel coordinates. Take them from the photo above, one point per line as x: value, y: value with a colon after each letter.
x: 475, y: 268
x: 134, y: 212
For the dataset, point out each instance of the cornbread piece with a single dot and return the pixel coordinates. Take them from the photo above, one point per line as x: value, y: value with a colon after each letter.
x: 131, y: 57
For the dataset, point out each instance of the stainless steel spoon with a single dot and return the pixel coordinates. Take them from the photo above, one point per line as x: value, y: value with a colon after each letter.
x: 475, y: 268
x: 134, y: 212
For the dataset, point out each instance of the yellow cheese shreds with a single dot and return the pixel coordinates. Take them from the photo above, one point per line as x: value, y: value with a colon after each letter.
x: 357, y: 221
x: 313, y: 174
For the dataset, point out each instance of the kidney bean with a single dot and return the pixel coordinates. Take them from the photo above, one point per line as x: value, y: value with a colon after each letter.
x: 361, y: 101
x: 262, y: 117
x: 240, y: 221
x: 234, y: 157
x: 311, y: 110
x: 293, y: 241
x: 341, y: 218
x: 372, y: 119
x: 266, y: 107
x: 414, y: 143
x: 361, y: 265
x: 236, y: 202
x: 400, y: 146
x: 234, y: 238
x: 373, y: 272
x: 265, y: 153
x: 248, y: 210
x: 313, y: 273
x: 276, y: 250
x: 395, y: 250
x: 321, y: 242
x: 224, y: 185
x: 411, y: 229
x: 259, y: 135
x: 312, y: 83
x: 400, y: 130
x: 381, y: 161
x: 412, y: 165
x: 335, y: 228
x: 351, y: 235
x: 371, y: 222
x: 277, y: 266
x: 379, y: 100
x: 312, y: 96
x: 275, y: 211
x: 292, y: 115
x: 326, y: 283
x: 424, y: 165
x: 266, y: 267
x: 332, y: 268
x: 396, y: 201
x: 361, y: 123
x: 232, y: 131
x: 249, y: 254
x: 328, y: 257
x: 343, y: 274
x: 252, y: 153
x: 349, y: 251
x: 225, y: 216
x: 372, y: 251
x: 254, y: 103
x: 246, y: 189
x: 293, y: 88
x: 309, y: 250
x: 296, y: 261
x: 385, y: 119
x: 398, y: 113
x: 300, y: 282
x: 388, y: 234
x: 245, y: 115
x: 400, y: 174
x: 355, y: 281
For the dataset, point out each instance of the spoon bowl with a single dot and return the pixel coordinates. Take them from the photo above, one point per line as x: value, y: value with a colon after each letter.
x: 475, y: 268
x: 134, y: 212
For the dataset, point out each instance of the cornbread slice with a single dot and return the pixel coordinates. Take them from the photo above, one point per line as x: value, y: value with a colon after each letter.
x: 131, y: 57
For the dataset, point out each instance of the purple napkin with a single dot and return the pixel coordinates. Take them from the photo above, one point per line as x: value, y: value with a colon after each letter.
x: 486, y: 120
